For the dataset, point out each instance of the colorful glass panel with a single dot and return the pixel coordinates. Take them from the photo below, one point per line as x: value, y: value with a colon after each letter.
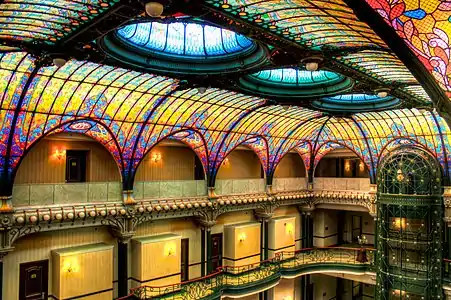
x: 184, y: 39
x: 47, y: 21
x: 424, y: 27
x: 296, y: 77
x: 313, y: 23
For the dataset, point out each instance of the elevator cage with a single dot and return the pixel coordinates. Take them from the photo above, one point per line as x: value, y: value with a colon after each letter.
x: 409, y: 228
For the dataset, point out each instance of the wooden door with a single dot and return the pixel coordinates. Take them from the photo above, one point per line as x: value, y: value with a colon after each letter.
x: 34, y: 280
x: 216, y: 250
x: 184, y: 260
x: 76, y: 165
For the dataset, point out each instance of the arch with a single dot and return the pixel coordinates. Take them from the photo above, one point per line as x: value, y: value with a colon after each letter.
x: 329, y: 146
x: 257, y: 144
x: 86, y: 126
x: 304, y: 149
x: 399, y: 142
x: 191, y: 137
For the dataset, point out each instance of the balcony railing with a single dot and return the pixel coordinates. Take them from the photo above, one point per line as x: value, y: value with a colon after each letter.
x: 258, y: 275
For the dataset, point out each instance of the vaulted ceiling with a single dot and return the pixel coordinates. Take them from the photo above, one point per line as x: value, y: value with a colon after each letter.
x: 219, y: 73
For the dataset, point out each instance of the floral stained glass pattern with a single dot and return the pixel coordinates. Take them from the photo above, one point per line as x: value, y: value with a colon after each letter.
x: 424, y: 27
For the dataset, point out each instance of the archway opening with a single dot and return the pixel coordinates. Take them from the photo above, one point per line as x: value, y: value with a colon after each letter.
x: 290, y: 173
x: 66, y: 167
x: 240, y: 172
x: 170, y: 169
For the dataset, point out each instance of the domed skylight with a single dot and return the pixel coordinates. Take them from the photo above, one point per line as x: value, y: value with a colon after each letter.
x: 185, y: 39
x: 297, y: 77
x: 356, y: 103
x: 296, y: 83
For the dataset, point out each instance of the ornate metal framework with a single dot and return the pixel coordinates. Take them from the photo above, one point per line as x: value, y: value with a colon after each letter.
x: 409, y: 226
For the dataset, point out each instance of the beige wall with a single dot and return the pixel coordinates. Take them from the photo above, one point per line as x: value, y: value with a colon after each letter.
x: 38, y: 247
x: 241, y: 244
x: 83, y: 270
x: 241, y: 164
x: 291, y: 165
x: 176, y: 163
x: 41, y: 166
x: 283, y: 291
x: 292, y: 211
x: 325, y: 287
x: 156, y: 260
x: 325, y: 231
x: 187, y: 229
x: 281, y: 234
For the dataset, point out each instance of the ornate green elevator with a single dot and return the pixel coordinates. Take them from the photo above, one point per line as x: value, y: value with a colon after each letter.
x: 409, y: 226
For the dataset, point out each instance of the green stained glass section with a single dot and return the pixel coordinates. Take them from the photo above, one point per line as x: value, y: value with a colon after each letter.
x: 47, y: 21
x: 315, y: 24
x: 380, y: 65
x: 296, y: 77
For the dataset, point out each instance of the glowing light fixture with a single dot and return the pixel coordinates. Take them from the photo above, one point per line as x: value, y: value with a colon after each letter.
x: 242, y: 237
x: 59, y: 154
x: 201, y: 90
x: 154, y: 9
x: 347, y: 166
x: 156, y: 157
x: 59, y: 61
x: 289, y: 228
x: 225, y: 162
x: 312, y: 63
x: 399, y: 223
x: 382, y: 92
x: 70, y: 265
x: 169, y: 249
x: 225, y: 4
x: 361, y: 166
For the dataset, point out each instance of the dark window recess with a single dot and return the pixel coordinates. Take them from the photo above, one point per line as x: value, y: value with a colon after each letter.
x: 34, y: 280
x: 185, y: 260
x: 216, y: 250
x: 262, y: 172
x: 198, y: 169
x: 76, y: 165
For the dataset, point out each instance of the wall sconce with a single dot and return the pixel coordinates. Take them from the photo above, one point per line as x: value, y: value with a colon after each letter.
x: 169, y: 249
x: 225, y: 162
x: 361, y: 166
x: 71, y: 265
x: 60, y: 154
x: 347, y: 166
x: 289, y: 228
x: 156, y: 157
x: 242, y: 237
x: 399, y: 223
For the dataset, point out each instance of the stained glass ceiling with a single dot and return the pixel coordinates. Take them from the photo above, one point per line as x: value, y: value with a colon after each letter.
x: 47, y: 21
x: 297, y: 77
x: 189, y: 40
x: 316, y: 24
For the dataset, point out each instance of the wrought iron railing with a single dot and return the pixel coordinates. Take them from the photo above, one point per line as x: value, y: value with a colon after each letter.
x: 229, y: 277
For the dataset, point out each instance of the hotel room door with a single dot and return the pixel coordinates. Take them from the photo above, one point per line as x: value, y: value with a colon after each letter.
x: 34, y: 280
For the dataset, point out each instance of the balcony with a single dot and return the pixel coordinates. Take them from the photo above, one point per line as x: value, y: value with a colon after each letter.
x: 234, y: 281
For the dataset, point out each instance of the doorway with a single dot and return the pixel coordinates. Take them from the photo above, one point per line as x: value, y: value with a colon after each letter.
x: 216, y: 250
x: 184, y: 260
x: 34, y: 280
x: 76, y: 165
x: 356, y: 228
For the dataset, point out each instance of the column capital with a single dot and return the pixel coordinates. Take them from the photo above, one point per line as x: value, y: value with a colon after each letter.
x: 128, y: 197
x: 4, y: 252
x: 206, y: 224
x: 6, y: 204
x: 306, y: 208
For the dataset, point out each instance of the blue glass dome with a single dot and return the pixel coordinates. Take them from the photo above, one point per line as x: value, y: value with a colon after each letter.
x: 295, y: 83
x: 356, y: 103
x: 184, y: 39
x: 291, y: 76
